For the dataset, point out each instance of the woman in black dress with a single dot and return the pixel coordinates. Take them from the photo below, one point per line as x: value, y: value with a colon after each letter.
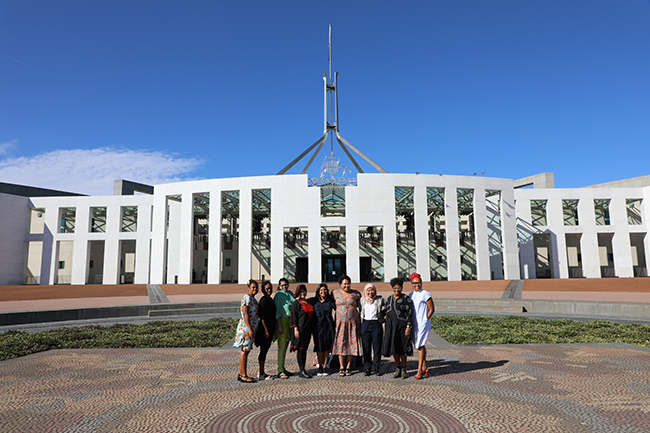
x: 266, y: 327
x: 324, y: 306
x: 302, y: 324
x: 399, y: 321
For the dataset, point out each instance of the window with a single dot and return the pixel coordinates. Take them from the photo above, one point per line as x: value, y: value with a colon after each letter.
x: 332, y: 200
x: 98, y: 219
x: 633, y: 206
x: 62, y: 264
x: 129, y: 219
x: 67, y: 218
x: 570, y: 212
x: 601, y: 209
x: 538, y: 212
x: 405, y: 230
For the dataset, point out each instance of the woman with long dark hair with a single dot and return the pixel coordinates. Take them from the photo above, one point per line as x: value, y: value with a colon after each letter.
x: 302, y: 324
x: 266, y: 328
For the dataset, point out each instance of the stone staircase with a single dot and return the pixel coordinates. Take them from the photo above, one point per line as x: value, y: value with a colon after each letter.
x: 229, y: 309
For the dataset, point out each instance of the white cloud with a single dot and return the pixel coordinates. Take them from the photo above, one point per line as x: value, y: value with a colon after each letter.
x: 92, y: 171
x: 5, y: 146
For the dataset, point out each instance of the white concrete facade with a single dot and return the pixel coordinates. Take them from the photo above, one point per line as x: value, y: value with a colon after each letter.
x: 497, y: 239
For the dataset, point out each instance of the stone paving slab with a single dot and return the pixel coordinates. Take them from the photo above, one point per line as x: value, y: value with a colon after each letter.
x: 501, y: 388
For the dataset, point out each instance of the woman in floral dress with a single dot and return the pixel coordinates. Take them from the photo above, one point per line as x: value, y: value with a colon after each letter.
x: 245, y: 336
x: 347, y: 341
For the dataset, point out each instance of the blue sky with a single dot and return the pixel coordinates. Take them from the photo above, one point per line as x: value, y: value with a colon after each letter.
x: 159, y: 91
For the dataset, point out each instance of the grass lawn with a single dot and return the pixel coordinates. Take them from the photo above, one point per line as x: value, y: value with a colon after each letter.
x: 216, y: 332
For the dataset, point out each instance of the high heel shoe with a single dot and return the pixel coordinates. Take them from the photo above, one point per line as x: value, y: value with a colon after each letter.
x: 418, y: 375
x: 426, y: 372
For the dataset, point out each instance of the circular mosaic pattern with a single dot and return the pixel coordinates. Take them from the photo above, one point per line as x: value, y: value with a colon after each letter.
x: 357, y: 414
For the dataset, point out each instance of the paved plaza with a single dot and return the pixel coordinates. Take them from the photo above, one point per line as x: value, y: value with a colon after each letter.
x: 507, y: 388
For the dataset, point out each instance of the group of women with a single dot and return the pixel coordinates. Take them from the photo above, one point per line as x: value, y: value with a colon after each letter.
x: 344, y: 323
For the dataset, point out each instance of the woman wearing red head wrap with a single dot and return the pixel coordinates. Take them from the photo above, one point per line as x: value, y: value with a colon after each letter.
x: 422, y: 311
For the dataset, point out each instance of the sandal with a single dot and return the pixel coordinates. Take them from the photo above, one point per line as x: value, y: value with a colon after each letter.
x: 347, y: 372
x: 342, y: 372
x: 245, y: 379
x: 283, y: 375
x: 418, y: 375
x: 426, y: 372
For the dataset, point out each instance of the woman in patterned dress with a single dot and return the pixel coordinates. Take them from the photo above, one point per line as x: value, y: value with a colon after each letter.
x: 347, y: 342
x: 399, y: 320
x: 245, y: 336
x: 422, y: 311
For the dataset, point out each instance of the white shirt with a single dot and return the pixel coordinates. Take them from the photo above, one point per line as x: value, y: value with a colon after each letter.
x: 370, y: 311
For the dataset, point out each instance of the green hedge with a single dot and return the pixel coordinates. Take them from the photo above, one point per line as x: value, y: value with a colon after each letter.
x: 521, y: 330
x: 208, y: 333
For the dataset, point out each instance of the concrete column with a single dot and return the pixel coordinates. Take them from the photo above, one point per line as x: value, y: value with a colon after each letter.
x: 50, y: 236
x: 524, y: 237
x: 245, y: 234
x: 315, y: 256
x: 80, y: 251
x: 452, y: 230
x: 158, y: 234
x: 352, y: 251
x: 390, y: 239
x: 142, y: 252
x: 112, y: 245
x: 186, y: 238
x: 481, y: 236
x: 622, y: 254
x: 559, y: 255
x: 214, y: 232
x: 421, y: 232
x: 510, y: 246
x: 590, y: 255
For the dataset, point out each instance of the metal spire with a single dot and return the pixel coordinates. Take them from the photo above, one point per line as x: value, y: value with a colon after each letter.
x: 331, y: 123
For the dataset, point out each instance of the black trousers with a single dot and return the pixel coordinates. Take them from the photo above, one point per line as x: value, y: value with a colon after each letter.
x: 371, y: 334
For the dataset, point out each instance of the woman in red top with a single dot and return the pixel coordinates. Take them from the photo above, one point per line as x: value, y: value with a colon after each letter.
x: 302, y: 325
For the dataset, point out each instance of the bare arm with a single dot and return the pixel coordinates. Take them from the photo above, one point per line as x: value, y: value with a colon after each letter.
x: 431, y: 308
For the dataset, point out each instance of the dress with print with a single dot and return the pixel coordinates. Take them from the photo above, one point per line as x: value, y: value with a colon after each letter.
x: 421, y: 325
x: 242, y: 339
x: 347, y: 339
x: 399, y: 315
